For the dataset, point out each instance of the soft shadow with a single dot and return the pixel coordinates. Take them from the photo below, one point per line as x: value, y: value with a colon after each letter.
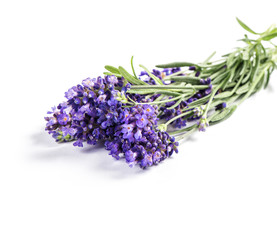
x: 42, y: 138
x: 270, y: 88
x: 92, y: 157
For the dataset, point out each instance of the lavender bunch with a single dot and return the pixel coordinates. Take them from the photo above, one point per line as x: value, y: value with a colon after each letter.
x: 138, y: 137
x: 96, y: 111
x: 142, y: 118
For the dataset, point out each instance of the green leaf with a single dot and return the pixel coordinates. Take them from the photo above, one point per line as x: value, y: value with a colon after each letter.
x: 110, y: 74
x: 150, y: 91
x: 130, y: 78
x: 267, y: 76
x: 224, y: 114
x: 171, y: 86
x: 219, y: 78
x: 223, y: 95
x: 199, y: 102
x: 269, y: 36
x: 112, y: 69
x: 246, y: 78
x: 187, y: 79
x: 245, y: 55
x: 156, y: 79
x: 256, y: 67
x: 231, y: 60
x: 246, y: 27
x: 245, y: 66
x: 243, y: 89
x: 177, y: 64
x: 132, y: 65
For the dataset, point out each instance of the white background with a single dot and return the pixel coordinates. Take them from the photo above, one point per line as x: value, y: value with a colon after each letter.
x: 222, y: 184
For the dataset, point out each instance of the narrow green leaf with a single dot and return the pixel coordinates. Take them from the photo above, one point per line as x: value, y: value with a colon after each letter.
x: 244, y: 68
x: 260, y: 83
x: 269, y: 36
x: 267, y: 78
x: 112, y: 69
x: 223, y: 95
x: 256, y: 67
x: 248, y: 75
x: 219, y: 78
x: 224, y: 114
x: 130, y: 78
x: 187, y: 79
x: 171, y: 86
x: 199, y: 102
x: 115, y: 74
x: 132, y: 65
x: 149, y: 91
x: 156, y: 79
x: 245, y: 55
x: 246, y: 27
x: 243, y: 89
x: 177, y: 64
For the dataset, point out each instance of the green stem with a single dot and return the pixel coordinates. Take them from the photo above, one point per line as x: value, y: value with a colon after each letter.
x: 212, y: 96
x: 167, y: 87
x: 166, y: 78
x: 178, y: 116
x: 254, y: 84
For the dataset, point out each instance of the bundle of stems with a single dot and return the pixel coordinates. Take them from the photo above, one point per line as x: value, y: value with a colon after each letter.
x: 234, y: 78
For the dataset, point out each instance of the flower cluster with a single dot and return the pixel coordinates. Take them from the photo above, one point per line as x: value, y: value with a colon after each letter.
x: 90, y: 113
x: 139, y: 139
x: 96, y: 111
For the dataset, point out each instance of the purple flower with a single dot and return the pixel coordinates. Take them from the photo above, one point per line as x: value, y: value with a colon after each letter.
x: 70, y: 93
x: 78, y: 143
x: 102, y: 98
x: 148, y: 110
x: 54, y: 110
x: 131, y: 157
x: 51, y: 121
x: 126, y: 115
x: 147, y: 161
x: 157, y: 157
x: 141, y: 120
x: 112, y: 79
x: 138, y: 135
x: 88, y: 82
x: 63, y: 119
x: 127, y: 130
x: 68, y: 131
